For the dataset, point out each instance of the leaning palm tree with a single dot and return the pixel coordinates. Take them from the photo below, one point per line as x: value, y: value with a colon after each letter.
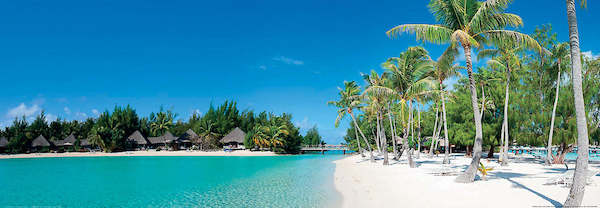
x: 349, y: 100
x: 559, y: 52
x: 469, y: 23
x: 579, y: 178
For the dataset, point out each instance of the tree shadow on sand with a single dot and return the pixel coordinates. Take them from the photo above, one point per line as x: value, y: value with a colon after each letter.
x: 509, y: 177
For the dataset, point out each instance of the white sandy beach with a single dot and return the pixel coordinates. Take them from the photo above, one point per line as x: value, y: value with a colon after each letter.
x: 140, y: 153
x: 521, y: 184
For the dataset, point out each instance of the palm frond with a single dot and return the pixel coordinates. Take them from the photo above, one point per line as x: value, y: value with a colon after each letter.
x: 437, y: 34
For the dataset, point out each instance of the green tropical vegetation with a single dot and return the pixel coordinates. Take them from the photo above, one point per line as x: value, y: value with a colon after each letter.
x: 111, y: 128
x: 510, y: 99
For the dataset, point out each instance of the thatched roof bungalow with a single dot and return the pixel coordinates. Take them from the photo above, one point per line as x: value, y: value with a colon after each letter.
x: 137, y: 138
x: 40, y: 141
x: 70, y: 140
x: 164, y: 139
x: 188, y: 136
x: 3, y: 142
x: 235, y: 139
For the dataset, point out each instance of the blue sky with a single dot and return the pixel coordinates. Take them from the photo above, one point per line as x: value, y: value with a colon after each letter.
x: 76, y: 58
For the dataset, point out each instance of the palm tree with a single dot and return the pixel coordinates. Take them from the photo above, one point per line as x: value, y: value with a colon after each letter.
x: 445, y: 69
x: 559, y: 51
x: 96, y: 139
x: 469, y: 23
x: 505, y: 57
x: 579, y: 179
x: 349, y: 101
x: 378, y: 94
x: 208, y: 133
x: 275, y: 134
x: 161, y: 121
x: 409, y: 81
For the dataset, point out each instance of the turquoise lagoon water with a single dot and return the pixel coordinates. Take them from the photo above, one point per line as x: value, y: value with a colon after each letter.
x: 280, y: 181
x: 568, y: 156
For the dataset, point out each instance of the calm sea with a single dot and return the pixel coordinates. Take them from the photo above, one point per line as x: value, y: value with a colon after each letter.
x: 279, y: 181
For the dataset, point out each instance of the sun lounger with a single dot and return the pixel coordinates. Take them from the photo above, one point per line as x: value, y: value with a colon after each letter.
x: 567, y: 177
x: 446, y: 170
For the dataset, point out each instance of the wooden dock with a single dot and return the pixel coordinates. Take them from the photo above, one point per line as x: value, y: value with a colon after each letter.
x: 324, y: 148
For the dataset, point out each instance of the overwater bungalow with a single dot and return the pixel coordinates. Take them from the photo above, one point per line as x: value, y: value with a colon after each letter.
x: 234, y: 140
x: 166, y: 140
x: 3, y: 144
x: 40, y: 143
x: 137, y: 140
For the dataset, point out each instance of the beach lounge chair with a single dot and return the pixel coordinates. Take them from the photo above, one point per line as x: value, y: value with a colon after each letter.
x: 446, y: 170
x: 567, y: 177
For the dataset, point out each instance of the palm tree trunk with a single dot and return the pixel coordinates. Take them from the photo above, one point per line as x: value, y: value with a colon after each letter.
x: 419, y: 131
x: 505, y: 122
x: 433, y: 138
x: 396, y: 156
x: 502, y: 155
x: 363, y: 136
x: 362, y: 154
x: 579, y: 179
x: 549, y: 147
x: 392, y: 132
x: 411, y: 163
x: 384, y: 141
x: 446, y: 142
x: 482, y: 102
x: 469, y: 175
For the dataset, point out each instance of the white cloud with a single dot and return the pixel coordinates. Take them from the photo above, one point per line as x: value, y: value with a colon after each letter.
x: 23, y: 110
x: 305, y: 124
x: 288, y: 60
x: 67, y: 110
x: 197, y: 111
x: 50, y: 117
x: 81, y: 115
x: 262, y: 67
x: 590, y: 54
x: 95, y: 112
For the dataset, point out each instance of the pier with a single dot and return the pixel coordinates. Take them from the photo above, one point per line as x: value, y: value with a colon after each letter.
x: 324, y: 148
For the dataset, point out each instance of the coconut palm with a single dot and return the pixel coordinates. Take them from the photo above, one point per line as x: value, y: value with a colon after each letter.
x: 347, y: 103
x: 207, y: 133
x: 444, y: 69
x: 579, y: 179
x: 469, y: 23
x: 506, y: 58
x: 559, y: 52
x: 409, y: 81
x: 161, y: 121
x: 378, y: 95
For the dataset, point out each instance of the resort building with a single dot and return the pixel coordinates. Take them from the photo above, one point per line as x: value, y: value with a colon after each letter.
x: 185, y: 140
x: 70, y: 140
x: 3, y: 144
x: 39, y: 143
x: 137, y: 140
x: 234, y: 140
x: 166, y: 140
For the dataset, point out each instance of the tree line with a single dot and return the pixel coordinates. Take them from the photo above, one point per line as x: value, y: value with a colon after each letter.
x: 111, y: 128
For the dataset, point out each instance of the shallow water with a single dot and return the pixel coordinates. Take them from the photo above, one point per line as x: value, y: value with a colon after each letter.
x: 279, y: 181
x: 568, y: 156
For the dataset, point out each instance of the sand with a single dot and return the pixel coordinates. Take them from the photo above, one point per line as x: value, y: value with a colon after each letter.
x: 140, y: 153
x: 521, y: 184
